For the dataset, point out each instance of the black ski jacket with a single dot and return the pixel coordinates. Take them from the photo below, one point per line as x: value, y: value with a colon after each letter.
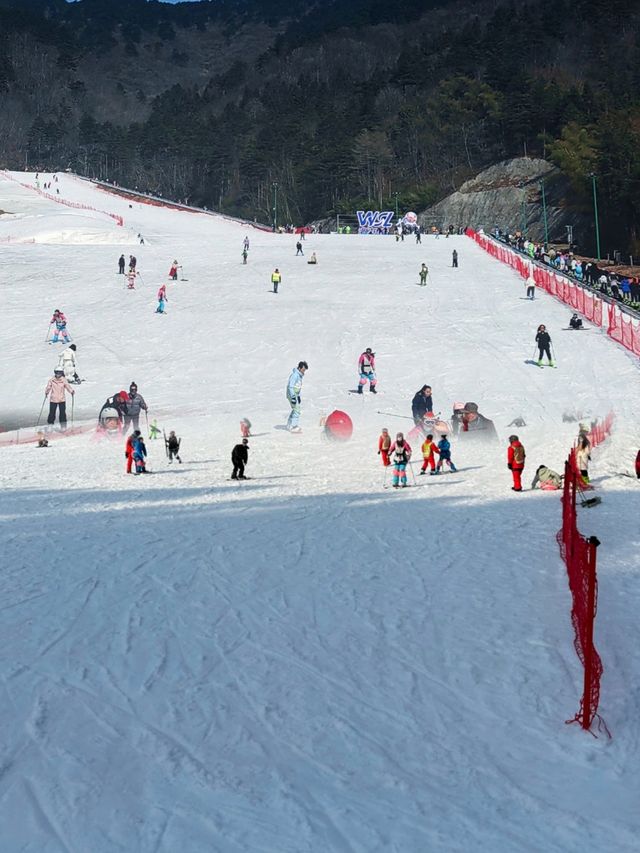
x: 240, y: 454
x: 543, y: 339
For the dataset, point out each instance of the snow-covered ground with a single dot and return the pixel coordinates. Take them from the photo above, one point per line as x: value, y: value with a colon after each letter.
x: 304, y: 661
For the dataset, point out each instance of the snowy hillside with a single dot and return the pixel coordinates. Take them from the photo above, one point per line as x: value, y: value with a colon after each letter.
x: 305, y: 661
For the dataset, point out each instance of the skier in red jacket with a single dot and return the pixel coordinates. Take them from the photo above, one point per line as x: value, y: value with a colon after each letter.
x: 384, y: 443
x: 129, y: 449
x: 515, y: 461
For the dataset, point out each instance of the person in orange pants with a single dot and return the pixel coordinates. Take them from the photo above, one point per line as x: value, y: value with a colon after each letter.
x: 384, y: 443
x: 515, y: 461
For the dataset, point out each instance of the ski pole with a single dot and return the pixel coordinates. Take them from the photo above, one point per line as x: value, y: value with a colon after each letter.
x: 146, y: 417
x: 48, y: 333
x: 533, y: 357
x: 73, y: 399
x: 384, y: 478
x: 41, y: 410
x: 413, y: 473
x: 393, y: 415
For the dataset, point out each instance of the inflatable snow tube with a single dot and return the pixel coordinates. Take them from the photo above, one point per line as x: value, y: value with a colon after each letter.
x: 338, y: 426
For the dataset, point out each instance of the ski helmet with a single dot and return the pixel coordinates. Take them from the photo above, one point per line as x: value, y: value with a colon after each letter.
x: 58, y: 372
x: 302, y: 364
x: 513, y: 438
x: 73, y: 347
x: 369, y: 350
x: 471, y: 407
x: 137, y: 432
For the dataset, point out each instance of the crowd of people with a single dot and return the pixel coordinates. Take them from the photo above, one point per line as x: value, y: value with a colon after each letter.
x: 623, y: 288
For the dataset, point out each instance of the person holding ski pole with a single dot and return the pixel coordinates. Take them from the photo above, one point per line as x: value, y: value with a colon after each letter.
x: 173, y: 272
x: 367, y: 369
x: 56, y: 391
x: 135, y: 404
x: 543, y: 341
x: 61, y: 327
x: 515, y: 461
x: 400, y: 454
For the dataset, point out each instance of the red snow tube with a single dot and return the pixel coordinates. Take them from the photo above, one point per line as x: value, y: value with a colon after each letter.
x: 338, y: 426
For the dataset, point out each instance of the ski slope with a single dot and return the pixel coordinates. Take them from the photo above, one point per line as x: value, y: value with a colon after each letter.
x: 305, y: 661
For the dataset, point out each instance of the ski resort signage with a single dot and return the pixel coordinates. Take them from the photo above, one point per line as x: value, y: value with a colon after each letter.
x: 374, y: 221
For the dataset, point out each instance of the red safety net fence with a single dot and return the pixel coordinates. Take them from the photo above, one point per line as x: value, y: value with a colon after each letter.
x: 58, y: 200
x: 620, y: 328
x: 580, y: 556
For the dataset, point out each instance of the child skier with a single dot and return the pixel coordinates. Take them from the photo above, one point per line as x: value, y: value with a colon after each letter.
x: 128, y: 449
x: 384, y: 443
x: 424, y: 272
x: 60, y: 322
x: 67, y: 363
x: 131, y: 279
x: 173, y: 272
x: 429, y: 449
x: 173, y: 447
x: 244, y: 256
x: 543, y: 340
x: 154, y: 430
x: 245, y: 427
x: 162, y: 299
x: 367, y: 368
x: 139, y: 454
x: 400, y: 453
x: 515, y: 461
x: 444, y: 449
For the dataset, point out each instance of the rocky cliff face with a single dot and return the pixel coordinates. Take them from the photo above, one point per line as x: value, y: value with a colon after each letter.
x: 508, y: 195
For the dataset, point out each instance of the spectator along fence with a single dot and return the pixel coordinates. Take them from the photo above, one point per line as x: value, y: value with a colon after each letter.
x: 580, y: 557
x: 619, y: 327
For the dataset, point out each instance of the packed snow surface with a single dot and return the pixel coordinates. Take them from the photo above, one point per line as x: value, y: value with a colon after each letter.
x: 306, y: 661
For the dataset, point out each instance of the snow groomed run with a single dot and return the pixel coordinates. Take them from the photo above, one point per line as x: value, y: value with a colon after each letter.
x: 304, y: 661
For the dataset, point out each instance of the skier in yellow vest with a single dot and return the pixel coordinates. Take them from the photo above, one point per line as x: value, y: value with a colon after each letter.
x: 276, y: 278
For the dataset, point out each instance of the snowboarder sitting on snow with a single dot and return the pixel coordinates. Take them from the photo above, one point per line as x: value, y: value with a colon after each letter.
x: 42, y: 441
x: 400, y: 454
x: 60, y: 322
x: 367, y: 368
x: 134, y: 404
x: 515, y: 461
x: 429, y: 449
x: 444, y: 449
x: 543, y: 340
x: 173, y: 447
x: 575, y: 322
x: 424, y: 272
x: 239, y: 458
x: 67, y: 363
x: 547, y: 479
x: 313, y: 259
x: 421, y: 404
x: 384, y: 443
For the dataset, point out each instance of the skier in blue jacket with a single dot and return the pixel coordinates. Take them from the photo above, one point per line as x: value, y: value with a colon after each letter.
x: 294, y: 387
x: 445, y: 455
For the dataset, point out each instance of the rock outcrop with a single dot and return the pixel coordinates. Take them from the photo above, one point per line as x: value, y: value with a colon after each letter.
x: 508, y: 195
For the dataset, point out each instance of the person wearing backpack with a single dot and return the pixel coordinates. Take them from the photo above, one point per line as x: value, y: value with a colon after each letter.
x: 515, y: 461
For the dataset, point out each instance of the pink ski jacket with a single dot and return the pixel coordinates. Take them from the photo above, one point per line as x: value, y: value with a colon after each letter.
x: 56, y: 387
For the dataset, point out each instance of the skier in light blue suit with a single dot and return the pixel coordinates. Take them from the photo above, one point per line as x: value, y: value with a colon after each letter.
x: 294, y: 387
